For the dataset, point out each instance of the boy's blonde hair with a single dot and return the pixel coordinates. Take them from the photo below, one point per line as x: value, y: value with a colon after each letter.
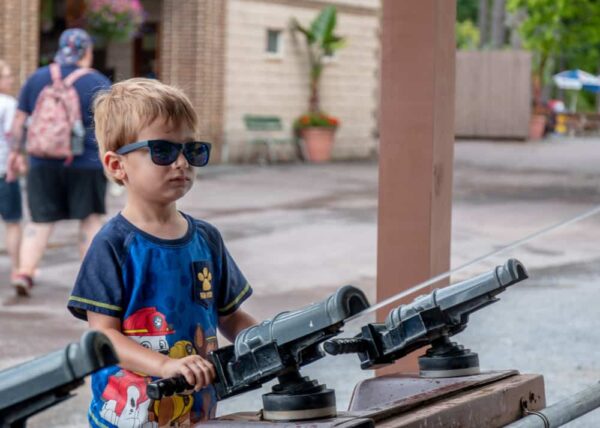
x: 121, y: 112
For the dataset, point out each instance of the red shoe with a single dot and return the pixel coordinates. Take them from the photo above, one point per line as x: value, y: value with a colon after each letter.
x: 23, y: 284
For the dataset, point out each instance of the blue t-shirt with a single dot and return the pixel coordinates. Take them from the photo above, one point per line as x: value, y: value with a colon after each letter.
x: 87, y: 86
x: 168, y: 295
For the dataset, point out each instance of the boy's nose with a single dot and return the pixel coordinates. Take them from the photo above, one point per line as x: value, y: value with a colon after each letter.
x: 181, y: 161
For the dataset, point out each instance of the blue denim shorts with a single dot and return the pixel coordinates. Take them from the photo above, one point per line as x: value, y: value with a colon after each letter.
x: 10, y: 201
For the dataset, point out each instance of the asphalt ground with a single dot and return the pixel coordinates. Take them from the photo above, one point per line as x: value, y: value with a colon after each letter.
x: 300, y: 231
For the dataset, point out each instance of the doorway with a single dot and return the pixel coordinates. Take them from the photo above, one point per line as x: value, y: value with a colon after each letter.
x: 139, y: 57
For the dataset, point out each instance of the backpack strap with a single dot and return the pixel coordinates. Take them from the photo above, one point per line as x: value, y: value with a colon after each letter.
x: 80, y: 72
x: 55, y: 73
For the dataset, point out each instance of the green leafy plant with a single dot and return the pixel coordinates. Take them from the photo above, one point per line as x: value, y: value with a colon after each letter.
x: 321, y: 41
x: 559, y: 29
x: 467, y: 35
x: 117, y: 20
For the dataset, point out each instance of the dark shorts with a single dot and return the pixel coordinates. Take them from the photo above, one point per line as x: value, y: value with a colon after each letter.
x: 65, y: 193
x: 10, y: 201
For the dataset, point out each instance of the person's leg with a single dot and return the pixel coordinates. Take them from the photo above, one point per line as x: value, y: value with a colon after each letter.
x: 88, y: 228
x: 86, y: 201
x: 13, y: 244
x: 35, y: 241
x: 47, y: 205
x: 11, y: 211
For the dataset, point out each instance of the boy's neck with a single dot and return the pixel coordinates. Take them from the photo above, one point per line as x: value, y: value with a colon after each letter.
x: 164, y: 222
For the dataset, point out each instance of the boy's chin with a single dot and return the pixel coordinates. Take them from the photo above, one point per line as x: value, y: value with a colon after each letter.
x: 174, y: 194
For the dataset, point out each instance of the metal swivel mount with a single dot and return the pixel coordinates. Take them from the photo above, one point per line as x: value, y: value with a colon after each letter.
x: 448, y: 359
x: 297, y: 398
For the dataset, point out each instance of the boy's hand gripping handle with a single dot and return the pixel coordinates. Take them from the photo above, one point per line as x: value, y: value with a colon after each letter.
x: 168, y: 386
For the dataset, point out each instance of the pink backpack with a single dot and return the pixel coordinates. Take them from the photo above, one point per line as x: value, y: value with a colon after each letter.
x: 55, y: 129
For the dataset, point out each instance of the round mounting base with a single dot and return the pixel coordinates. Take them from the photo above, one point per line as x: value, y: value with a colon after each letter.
x: 296, y: 406
x: 447, y: 359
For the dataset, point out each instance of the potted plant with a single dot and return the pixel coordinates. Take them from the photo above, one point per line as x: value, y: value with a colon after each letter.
x: 552, y: 30
x: 315, y: 127
x: 114, y: 20
x: 317, y: 130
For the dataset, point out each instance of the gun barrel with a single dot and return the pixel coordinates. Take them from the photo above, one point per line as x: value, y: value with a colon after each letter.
x: 287, y: 327
x: 429, y: 320
x: 22, y: 387
x: 463, y: 298
x: 286, y: 342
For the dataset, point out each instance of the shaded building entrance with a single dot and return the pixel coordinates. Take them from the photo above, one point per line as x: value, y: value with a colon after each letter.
x: 139, y: 57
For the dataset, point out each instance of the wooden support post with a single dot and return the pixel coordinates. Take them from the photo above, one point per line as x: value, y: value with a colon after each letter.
x: 417, y: 147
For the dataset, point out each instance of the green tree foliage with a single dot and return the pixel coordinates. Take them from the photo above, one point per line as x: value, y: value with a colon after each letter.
x: 321, y: 41
x: 560, y: 32
x: 466, y: 10
x: 467, y: 33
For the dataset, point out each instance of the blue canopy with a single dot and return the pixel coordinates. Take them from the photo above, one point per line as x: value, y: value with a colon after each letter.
x: 577, y: 80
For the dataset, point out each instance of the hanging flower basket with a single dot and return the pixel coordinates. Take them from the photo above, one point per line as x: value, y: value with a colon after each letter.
x: 114, y: 20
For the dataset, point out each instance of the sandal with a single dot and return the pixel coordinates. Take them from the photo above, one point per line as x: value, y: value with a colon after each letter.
x: 23, y: 284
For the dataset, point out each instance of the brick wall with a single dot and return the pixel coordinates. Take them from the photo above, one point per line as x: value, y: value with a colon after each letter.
x: 19, y: 36
x: 192, y: 57
x: 214, y: 50
x: 257, y: 83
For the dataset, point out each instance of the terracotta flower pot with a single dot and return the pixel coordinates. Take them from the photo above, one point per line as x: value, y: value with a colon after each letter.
x: 537, y: 124
x: 318, y: 142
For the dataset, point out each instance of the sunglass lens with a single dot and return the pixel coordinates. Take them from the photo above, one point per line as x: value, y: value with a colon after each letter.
x: 163, y: 152
x: 196, y: 153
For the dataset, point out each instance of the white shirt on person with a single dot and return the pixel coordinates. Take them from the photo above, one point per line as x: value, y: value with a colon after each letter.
x: 8, y: 107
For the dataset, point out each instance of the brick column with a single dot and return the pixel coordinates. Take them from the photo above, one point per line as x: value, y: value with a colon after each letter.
x: 19, y: 36
x: 193, y: 58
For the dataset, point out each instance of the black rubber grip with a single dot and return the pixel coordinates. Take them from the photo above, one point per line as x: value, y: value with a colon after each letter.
x: 166, y: 387
x: 345, y: 346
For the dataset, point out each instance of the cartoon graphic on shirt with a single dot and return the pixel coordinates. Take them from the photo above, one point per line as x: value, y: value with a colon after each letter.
x: 175, y: 410
x: 205, y: 277
x: 203, y: 292
x: 181, y: 349
x: 203, y: 346
x: 149, y: 328
x: 126, y: 403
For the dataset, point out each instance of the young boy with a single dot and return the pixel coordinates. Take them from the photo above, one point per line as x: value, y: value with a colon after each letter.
x: 156, y: 281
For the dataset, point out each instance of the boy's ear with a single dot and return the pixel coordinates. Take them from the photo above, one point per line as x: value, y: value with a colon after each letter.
x: 113, y: 165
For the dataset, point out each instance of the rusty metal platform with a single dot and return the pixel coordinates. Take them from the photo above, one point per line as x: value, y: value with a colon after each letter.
x: 491, y: 399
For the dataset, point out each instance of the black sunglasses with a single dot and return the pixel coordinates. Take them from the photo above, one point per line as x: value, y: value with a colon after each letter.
x: 163, y: 152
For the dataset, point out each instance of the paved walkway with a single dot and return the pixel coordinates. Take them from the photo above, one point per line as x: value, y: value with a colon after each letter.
x: 301, y: 231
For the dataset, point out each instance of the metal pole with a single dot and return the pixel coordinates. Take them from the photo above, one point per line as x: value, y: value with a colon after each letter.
x: 562, y: 412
